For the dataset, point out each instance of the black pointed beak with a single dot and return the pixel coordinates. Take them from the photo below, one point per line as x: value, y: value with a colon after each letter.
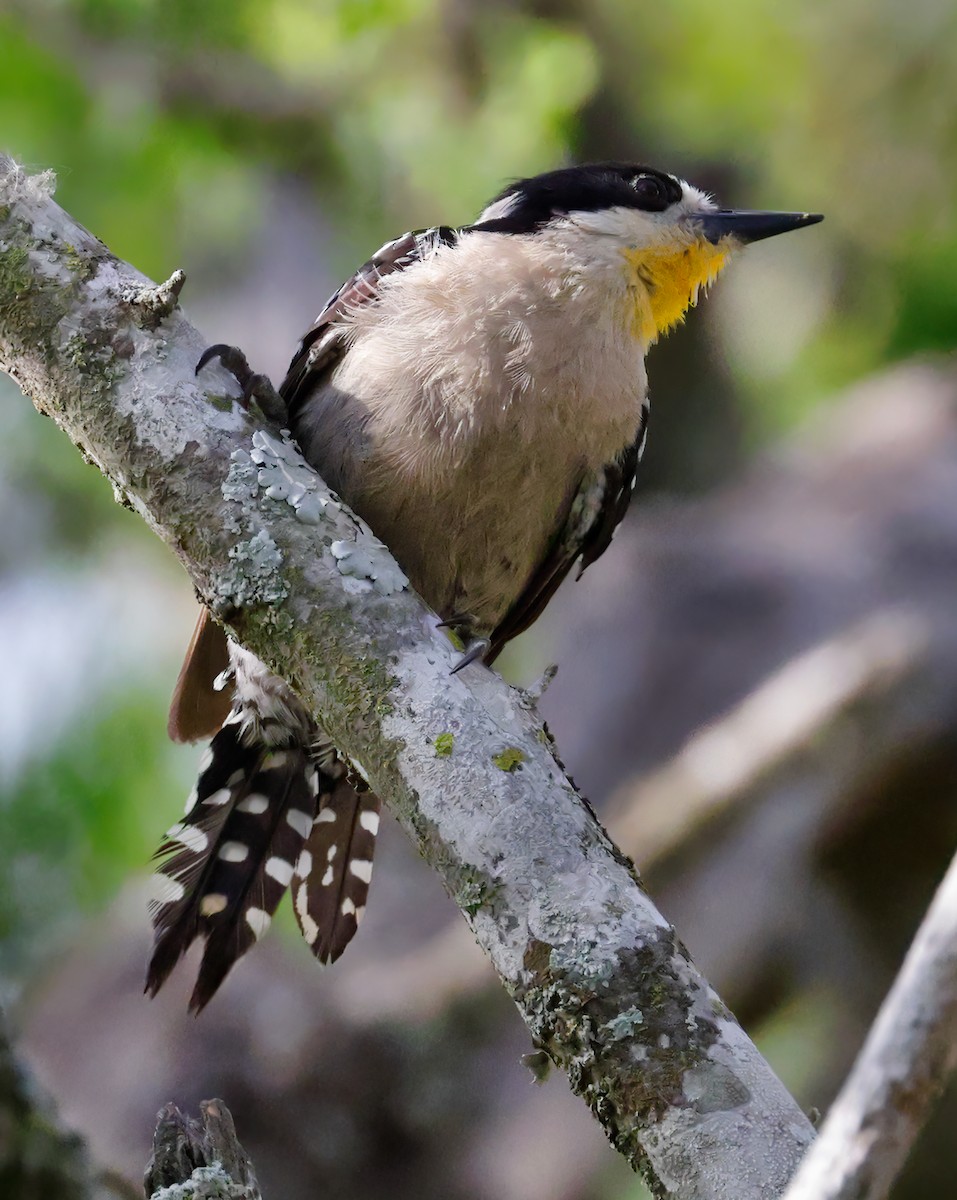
x: 746, y: 226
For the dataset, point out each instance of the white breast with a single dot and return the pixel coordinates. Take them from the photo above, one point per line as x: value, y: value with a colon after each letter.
x: 474, y: 395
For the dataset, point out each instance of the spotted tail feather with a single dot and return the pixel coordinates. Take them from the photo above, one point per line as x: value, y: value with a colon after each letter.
x: 228, y: 864
x: 331, y: 881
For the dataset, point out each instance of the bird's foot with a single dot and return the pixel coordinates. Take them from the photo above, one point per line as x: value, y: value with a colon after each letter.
x: 462, y: 635
x: 254, y: 386
x: 477, y: 649
x: 461, y: 624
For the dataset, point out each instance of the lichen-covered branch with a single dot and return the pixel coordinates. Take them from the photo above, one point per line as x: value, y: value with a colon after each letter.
x: 910, y: 1053
x: 816, y: 719
x: 199, y: 1160
x: 604, y: 984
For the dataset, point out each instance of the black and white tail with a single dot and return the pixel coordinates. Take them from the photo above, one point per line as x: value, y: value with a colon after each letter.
x: 265, y: 817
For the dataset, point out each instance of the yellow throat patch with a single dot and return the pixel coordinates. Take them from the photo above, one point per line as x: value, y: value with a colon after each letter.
x: 666, y: 283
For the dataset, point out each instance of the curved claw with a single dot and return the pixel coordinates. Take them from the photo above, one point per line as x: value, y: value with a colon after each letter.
x: 457, y: 621
x: 227, y: 355
x: 478, y: 649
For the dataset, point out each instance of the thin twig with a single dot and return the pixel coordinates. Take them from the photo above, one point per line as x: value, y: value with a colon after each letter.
x: 910, y: 1052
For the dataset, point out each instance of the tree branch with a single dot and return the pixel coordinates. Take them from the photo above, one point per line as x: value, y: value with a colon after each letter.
x: 199, y: 1160
x: 817, y: 719
x: 602, y: 981
x: 909, y: 1054
x: 798, y: 713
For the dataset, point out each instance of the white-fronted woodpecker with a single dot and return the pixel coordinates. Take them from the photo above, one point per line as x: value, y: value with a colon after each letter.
x: 479, y: 396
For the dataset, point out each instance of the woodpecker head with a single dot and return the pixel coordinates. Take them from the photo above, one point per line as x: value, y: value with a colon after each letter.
x: 666, y: 238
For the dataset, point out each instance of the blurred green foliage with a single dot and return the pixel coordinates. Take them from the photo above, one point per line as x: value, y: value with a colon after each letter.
x: 163, y: 119
x: 77, y: 821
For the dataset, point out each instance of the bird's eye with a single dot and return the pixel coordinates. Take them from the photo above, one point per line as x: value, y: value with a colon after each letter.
x: 651, y: 193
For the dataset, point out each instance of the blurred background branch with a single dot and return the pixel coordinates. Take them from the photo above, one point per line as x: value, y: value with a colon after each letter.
x: 907, y: 1059
x: 40, y: 1157
x: 797, y: 482
x: 795, y: 721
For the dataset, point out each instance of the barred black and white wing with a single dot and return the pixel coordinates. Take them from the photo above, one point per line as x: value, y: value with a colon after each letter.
x: 227, y: 865
x: 330, y: 886
x: 263, y: 819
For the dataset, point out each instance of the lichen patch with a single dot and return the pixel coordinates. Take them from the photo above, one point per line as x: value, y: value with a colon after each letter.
x: 254, y: 575
x: 285, y: 475
x: 367, y: 565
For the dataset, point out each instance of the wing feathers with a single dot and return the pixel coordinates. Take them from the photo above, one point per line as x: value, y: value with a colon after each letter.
x: 262, y: 820
x: 323, y: 344
x: 229, y: 862
x: 594, y: 514
x: 253, y: 864
x: 331, y: 882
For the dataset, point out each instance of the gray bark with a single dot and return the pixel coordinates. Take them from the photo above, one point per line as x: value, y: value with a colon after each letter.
x: 909, y: 1055
x: 199, y: 1160
x: 605, y: 986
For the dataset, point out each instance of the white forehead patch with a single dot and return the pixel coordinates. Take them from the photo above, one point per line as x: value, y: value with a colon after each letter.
x: 694, y: 200
x: 498, y: 209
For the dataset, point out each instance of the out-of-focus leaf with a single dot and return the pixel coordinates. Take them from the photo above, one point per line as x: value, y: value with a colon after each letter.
x: 80, y: 822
